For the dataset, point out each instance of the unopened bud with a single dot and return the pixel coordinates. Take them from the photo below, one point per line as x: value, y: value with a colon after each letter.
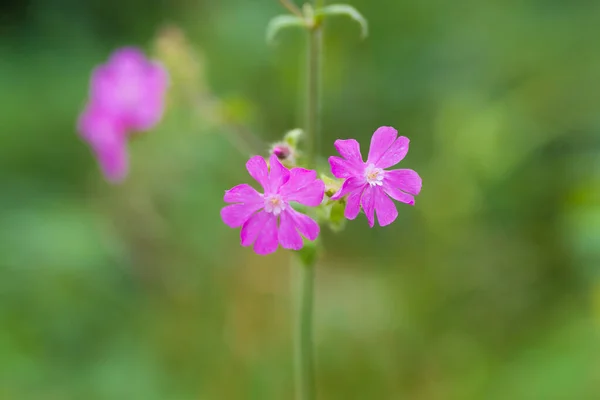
x: 285, y: 153
x: 281, y: 151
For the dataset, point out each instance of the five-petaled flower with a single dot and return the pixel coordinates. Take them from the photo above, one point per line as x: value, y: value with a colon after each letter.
x: 126, y: 94
x: 268, y: 219
x: 368, y: 184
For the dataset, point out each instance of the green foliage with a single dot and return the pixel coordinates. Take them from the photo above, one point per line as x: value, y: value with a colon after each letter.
x: 347, y: 11
x: 282, y: 22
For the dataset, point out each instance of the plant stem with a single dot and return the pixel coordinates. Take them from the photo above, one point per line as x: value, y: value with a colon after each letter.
x: 303, y: 279
x: 304, y: 352
x: 313, y: 89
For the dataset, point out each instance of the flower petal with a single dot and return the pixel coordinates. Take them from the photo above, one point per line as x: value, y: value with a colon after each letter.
x: 404, y: 179
x: 394, y: 154
x: 252, y: 227
x: 353, y: 203
x: 299, y: 177
x: 120, y: 86
x: 127, y: 58
x: 381, y: 140
x: 306, y: 225
x: 150, y: 107
x: 267, y: 241
x: 243, y: 193
x: 384, y: 207
x: 349, y: 185
x: 341, y: 168
x: 236, y: 215
x: 257, y: 168
x: 289, y: 238
x: 303, y: 187
x: 349, y: 149
x: 367, y: 202
x: 107, y: 137
x: 278, y: 174
x: 114, y: 160
x: 397, y: 194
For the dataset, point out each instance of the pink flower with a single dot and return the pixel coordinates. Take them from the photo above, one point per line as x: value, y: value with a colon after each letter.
x: 368, y: 184
x: 131, y: 88
x: 268, y: 219
x: 126, y: 94
x: 107, y: 138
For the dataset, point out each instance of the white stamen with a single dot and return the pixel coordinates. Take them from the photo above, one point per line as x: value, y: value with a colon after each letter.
x: 274, y: 204
x: 374, y: 175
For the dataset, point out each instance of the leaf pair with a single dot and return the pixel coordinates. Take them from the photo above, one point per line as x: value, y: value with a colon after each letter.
x: 282, y: 22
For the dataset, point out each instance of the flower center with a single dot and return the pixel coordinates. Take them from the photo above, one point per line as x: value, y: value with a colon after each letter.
x: 374, y: 175
x: 274, y: 204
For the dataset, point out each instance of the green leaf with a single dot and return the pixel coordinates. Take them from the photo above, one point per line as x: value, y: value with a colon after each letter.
x: 281, y: 22
x: 349, y: 11
x: 293, y: 137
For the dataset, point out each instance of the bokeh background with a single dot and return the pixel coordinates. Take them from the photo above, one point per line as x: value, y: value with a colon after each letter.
x: 489, y: 288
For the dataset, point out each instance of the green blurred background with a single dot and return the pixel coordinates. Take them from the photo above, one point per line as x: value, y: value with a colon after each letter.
x: 489, y: 288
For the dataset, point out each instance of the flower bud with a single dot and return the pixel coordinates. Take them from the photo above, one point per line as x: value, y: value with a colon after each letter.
x: 285, y: 153
x: 282, y: 152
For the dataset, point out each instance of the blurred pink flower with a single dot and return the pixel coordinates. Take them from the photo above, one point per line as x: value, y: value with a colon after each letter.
x: 126, y: 95
x: 368, y: 184
x: 131, y: 88
x: 107, y: 138
x: 268, y: 220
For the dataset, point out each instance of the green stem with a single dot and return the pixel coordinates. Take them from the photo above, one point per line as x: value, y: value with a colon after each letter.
x: 303, y: 349
x: 314, y: 51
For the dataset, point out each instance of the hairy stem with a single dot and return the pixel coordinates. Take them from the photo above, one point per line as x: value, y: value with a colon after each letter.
x: 314, y: 51
x: 303, y: 279
x: 304, y: 351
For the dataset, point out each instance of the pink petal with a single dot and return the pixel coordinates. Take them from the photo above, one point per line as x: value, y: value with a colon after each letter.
x: 397, y: 194
x: 236, y: 215
x: 303, y: 187
x: 131, y: 87
x: 404, y: 179
x: 127, y: 58
x: 114, y: 161
x: 368, y: 204
x: 252, y: 227
x: 107, y: 138
x: 150, y: 108
x: 289, y: 238
x: 278, y: 174
x: 385, y: 208
x: 306, y: 225
x: 266, y: 242
x: 341, y: 168
x: 353, y: 203
x: 349, y: 149
x: 146, y: 114
x: 394, y: 154
x: 381, y: 140
x: 257, y: 168
x: 349, y: 185
x: 299, y: 177
x: 243, y: 194
x: 118, y: 90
